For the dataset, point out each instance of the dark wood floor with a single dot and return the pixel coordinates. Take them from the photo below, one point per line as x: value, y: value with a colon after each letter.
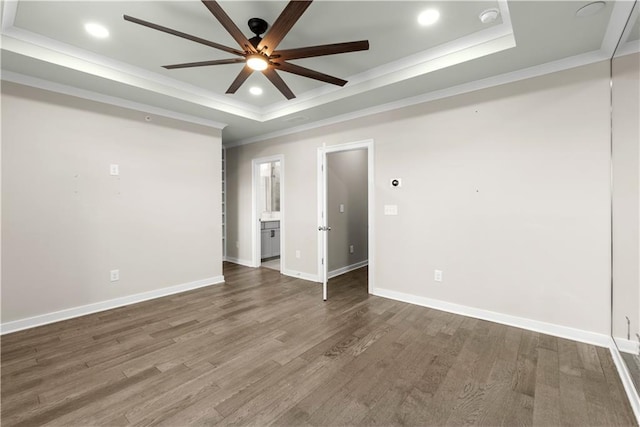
x: 264, y: 348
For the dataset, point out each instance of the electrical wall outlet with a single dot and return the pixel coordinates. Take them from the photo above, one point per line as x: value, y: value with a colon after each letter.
x: 350, y: 249
x: 114, y: 169
x: 115, y: 275
x: 437, y: 275
x: 298, y: 254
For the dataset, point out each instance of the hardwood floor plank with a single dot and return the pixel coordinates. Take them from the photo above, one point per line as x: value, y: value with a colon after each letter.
x: 573, y: 404
x: 108, y: 408
x: 525, y: 376
x: 546, y: 408
x: 498, y: 385
x: 385, y: 348
x: 70, y: 405
x: 264, y: 349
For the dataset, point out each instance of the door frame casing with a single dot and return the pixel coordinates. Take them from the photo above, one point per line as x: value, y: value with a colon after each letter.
x: 255, y: 216
x: 367, y: 144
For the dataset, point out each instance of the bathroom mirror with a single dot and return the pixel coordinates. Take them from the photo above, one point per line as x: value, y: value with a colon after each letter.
x: 269, y: 190
x: 625, y: 203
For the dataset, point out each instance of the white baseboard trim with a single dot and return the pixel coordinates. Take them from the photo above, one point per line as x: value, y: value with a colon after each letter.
x: 300, y: 275
x: 69, y: 313
x: 594, y: 338
x: 626, y: 346
x: 625, y: 377
x: 244, y: 262
x: 348, y: 268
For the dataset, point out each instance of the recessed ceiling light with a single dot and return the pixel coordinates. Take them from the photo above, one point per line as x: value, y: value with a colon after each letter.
x: 590, y: 9
x: 96, y: 30
x: 428, y: 17
x: 255, y: 90
x: 489, y: 15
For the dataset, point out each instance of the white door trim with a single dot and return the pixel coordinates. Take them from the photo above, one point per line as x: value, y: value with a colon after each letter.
x: 255, y: 224
x: 367, y: 144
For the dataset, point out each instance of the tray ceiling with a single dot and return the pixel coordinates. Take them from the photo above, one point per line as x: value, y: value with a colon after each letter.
x: 44, y: 44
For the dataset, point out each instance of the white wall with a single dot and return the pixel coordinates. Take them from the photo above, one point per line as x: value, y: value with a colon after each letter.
x: 626, y: 197
x: 66, y: 222
x: 505, y: 189
x: 347, y: 185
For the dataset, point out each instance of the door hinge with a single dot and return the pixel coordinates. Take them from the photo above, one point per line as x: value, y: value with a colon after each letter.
x: 322, y: 261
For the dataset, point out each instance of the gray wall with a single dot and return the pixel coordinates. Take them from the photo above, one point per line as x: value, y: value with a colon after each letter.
x: 505, y: 189
x: 347, y: 186
x: 66, y: 222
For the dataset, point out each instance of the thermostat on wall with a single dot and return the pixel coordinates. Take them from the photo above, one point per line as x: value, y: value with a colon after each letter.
x: 396, y: 182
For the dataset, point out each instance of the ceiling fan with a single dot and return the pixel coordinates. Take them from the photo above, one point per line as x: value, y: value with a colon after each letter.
x: 259, y: 53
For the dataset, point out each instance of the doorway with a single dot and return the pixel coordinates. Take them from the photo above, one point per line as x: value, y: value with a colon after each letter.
x: 343, y: 245
x: 268, y: 212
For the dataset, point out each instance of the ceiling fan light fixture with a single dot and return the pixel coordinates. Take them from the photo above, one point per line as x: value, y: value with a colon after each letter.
x: 428, y: 17
x: 257, y: 62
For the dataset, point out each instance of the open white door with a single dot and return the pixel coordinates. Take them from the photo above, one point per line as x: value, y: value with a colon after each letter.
x: 323, y: 227
x: 324, y: 230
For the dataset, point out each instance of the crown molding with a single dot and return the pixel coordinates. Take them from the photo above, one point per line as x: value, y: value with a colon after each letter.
x: 106, y: 99
x: 443, y: 56
x: 481, y: 43
x: 514, y: 76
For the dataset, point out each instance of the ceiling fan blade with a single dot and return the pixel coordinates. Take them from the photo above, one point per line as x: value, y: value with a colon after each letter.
x: 204, y: 63
x: 183, y: 35
x: 289, y: 16
x: 228, y: 24
x: 278, y: 82
x: 244, y: 75
x: 305, y: 72
x: 321, y: 50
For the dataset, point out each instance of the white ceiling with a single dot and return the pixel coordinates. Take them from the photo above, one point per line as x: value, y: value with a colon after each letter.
x: 44, y: 44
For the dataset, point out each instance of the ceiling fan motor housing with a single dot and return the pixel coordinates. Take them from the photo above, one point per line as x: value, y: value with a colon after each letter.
x: 258, y: 26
